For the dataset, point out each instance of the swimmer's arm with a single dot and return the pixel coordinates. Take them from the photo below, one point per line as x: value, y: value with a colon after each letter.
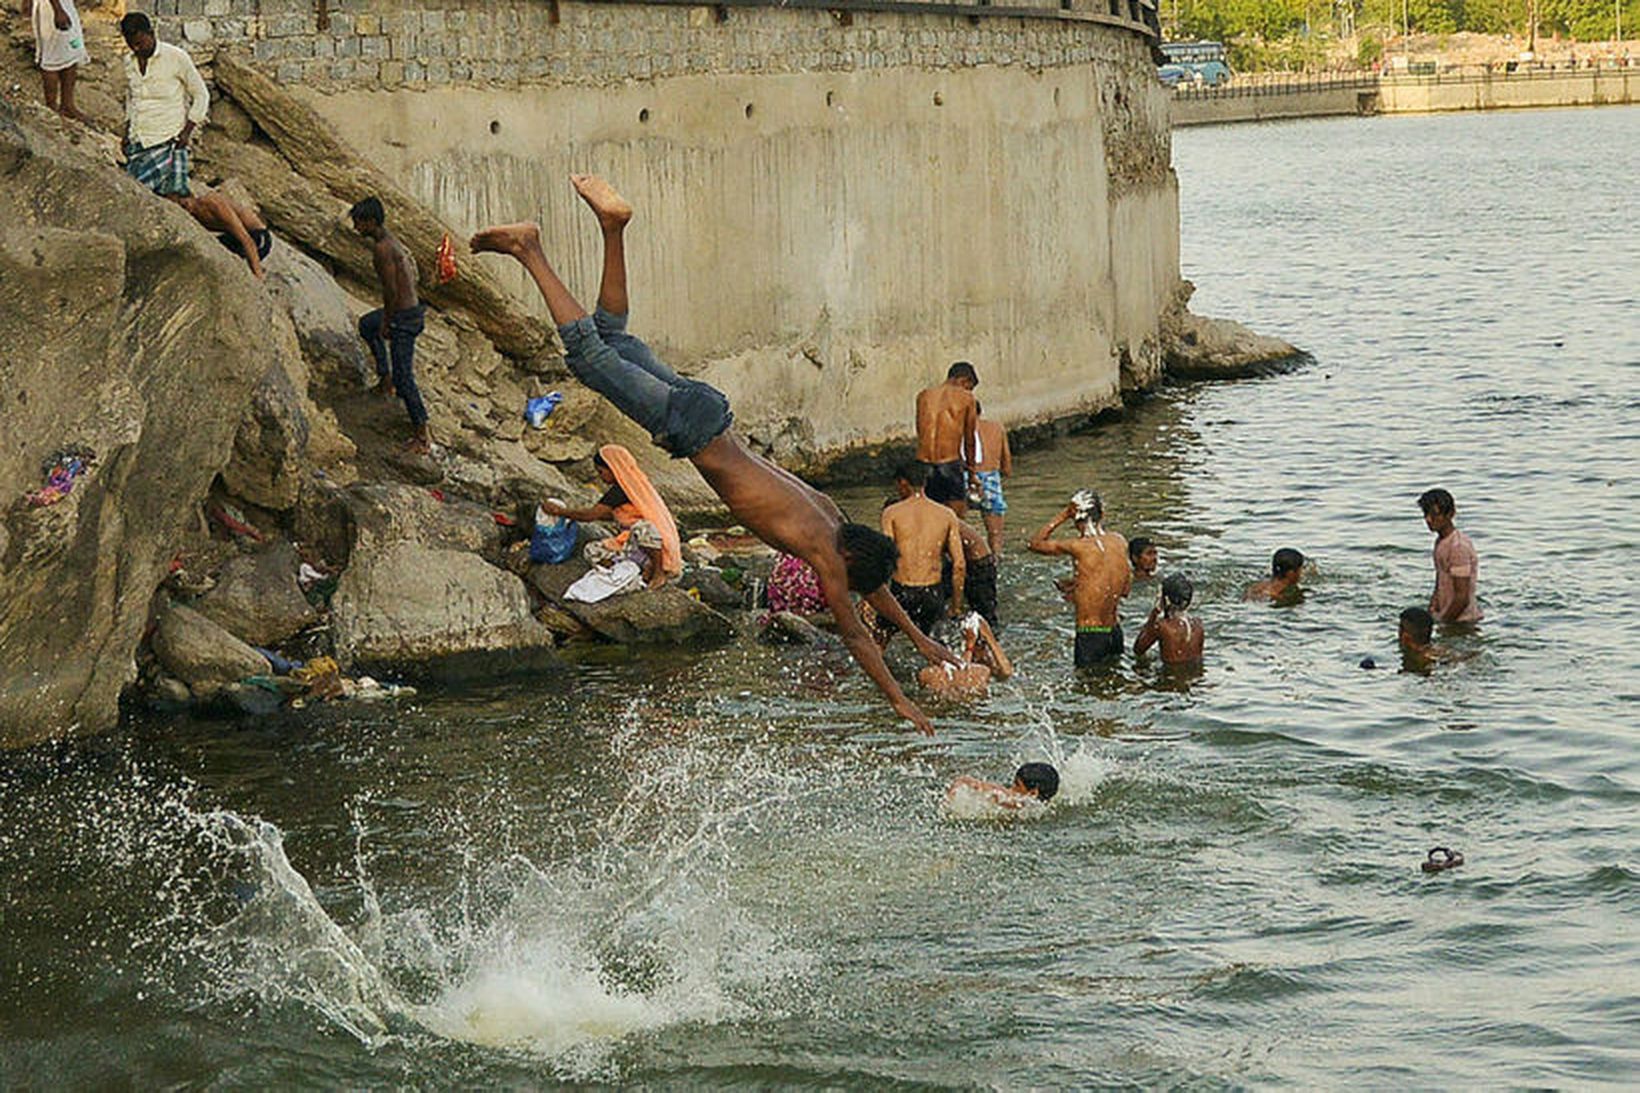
x: 1042, y: 541
x: 887, y: 607
x: 865, y: 652
x: 1001, y: 667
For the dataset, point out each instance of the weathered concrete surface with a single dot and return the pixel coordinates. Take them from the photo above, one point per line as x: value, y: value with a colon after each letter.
x: 119, y: 321
x: 1509, y: 91
x: 828, y: 256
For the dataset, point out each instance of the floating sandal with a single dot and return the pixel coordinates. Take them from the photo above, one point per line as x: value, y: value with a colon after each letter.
x: 1441, y: 859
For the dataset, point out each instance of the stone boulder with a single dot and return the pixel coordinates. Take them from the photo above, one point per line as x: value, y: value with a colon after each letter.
x: 270, y: 447
x: 256, y: 597
x: 200, y: 653
x: 412, y: 603
x: 129, y: 330
x: 1195, y: 347
x: 664, y: 616
x: 319, y: 311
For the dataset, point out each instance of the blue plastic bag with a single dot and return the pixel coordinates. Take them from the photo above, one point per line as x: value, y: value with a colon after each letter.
x: 553, y: 539
x: 536, y: 410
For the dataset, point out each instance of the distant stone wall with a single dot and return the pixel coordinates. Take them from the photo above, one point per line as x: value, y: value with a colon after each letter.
x: 416, y: 43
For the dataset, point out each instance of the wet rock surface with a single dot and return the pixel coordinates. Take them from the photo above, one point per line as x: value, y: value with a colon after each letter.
x: 257, y: 599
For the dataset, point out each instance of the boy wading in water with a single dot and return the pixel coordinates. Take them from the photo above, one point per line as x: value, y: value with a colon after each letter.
x: 1180, y: 636
x: 946, y: 417
x: 392, y: 329
x: 1456, y: 566
x: 690, y: 420
x: 1100, y: 579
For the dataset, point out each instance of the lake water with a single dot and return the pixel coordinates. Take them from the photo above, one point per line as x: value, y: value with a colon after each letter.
x: 731, y: 868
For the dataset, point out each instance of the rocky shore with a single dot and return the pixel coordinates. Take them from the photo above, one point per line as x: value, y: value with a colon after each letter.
x: 201, y: 501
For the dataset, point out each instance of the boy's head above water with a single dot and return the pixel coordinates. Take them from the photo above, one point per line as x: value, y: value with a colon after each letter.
x: 1037, y: 780
x: 1285, y: 561
x: 1142, y: 555
x: 1177, y: 592
x: 1417, y: 628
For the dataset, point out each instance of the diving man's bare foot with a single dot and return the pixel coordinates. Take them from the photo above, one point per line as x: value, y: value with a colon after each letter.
x: 513, y: 239
x: 612, y: 209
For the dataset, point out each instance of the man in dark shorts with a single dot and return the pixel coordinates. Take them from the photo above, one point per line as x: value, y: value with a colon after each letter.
x: 946, y: 417
x: 1100, y: 578
x: 691, y: 420
x: 927, y: 534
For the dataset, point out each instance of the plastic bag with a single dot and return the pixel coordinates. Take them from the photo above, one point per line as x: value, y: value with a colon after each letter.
x: 553, y: 539
x: 536, y: 410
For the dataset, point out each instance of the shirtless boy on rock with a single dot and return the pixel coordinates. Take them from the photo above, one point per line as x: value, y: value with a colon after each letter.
x: 691, y: 420
x: 239, y: 227
x: 1100, y: 579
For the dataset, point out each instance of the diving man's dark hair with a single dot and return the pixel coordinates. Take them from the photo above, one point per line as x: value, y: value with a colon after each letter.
x: 1137, y: 546
x: 370, y: 209
x: 1285, y: 561
x: 135, y: 23
x: 870, y: 555
x: 1437, y: 500
x: 1177, y: 590
x: 1420, y: 623
x: 1039, y: 778
x: 962, y: 370
x: 913, y: 474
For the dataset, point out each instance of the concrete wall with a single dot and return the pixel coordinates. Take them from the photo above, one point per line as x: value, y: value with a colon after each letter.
x: 1197, y: 109
x: 1583, y: 87
x: 827, y: 215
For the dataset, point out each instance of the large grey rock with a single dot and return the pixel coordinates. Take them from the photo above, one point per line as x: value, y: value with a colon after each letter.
x: 1196, y: 347
x: 318, y: 309
x: 200, y: 653
x: 271, y: 444
x: 414, y: 603
x: 664, y: 616
x: 257, y: 599
x: 126, y: 328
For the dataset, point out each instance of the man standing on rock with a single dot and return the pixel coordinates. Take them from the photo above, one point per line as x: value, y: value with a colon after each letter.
x: 165, y: 101
x: 1100, y: 579
x: 392, y: 329
x: 59, y: 51
x: 947, y: 416
x: 691, y: 420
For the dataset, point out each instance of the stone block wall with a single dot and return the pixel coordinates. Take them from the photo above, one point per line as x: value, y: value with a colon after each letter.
x: 392, y: 43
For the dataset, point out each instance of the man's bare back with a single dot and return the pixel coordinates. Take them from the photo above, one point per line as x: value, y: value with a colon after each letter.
x: 945, y: 418
x: 926, y: 533
x: 993, y: 443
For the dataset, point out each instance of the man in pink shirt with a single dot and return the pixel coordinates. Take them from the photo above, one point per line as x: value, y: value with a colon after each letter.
x: 1456, y: 567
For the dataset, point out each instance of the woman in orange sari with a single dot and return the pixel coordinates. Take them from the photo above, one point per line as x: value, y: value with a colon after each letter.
x: 648, y: 535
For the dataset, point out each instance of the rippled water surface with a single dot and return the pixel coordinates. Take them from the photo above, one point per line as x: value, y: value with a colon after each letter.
x: 731, y: 867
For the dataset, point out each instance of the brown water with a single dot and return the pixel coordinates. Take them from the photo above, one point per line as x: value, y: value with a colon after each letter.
x: 731, y: 868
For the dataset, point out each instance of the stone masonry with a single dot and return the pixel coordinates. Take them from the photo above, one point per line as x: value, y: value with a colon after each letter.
x: 390, y: 43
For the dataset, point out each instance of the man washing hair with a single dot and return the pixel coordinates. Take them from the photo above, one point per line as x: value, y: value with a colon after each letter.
x: 1100, y: 576
x: 691, y: 420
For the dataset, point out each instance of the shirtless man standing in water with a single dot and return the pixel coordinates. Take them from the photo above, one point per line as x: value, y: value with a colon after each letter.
x: 1100, y: 579
x: 925, y: 533
x: 946, y: 417
x: 691, y: 421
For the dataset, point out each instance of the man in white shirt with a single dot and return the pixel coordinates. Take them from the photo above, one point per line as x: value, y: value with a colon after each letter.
x: 59, y: 50
x: 165, y: 101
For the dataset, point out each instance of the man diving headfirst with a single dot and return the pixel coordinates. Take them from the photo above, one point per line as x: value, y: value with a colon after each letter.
x: 690, y: 420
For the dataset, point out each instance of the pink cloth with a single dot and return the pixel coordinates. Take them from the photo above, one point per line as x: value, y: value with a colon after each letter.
x: 794, y: 586
x: 1455, y: 557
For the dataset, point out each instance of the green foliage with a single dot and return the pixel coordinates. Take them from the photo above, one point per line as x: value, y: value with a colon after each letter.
x: 1291, y: 34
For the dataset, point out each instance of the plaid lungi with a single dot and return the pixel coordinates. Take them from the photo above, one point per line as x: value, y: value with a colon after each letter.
x: 163, y: 168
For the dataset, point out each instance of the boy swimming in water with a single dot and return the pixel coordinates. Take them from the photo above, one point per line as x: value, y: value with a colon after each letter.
x: 1181, y: 637
x: 1417, y: 637
x: 1286, y: 567
x: 1142, y: 556
x: 691, y: 421
x: 1036, y: 782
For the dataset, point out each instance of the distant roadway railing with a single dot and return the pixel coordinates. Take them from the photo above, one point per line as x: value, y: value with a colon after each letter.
x: 1289, y: 84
